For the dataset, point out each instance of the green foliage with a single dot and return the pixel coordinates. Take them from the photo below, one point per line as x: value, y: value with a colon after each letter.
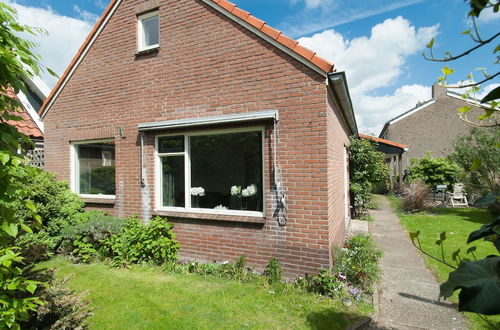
x: 57, y: 207
x: 478, y: 154
x: 138, y: 242
x: 273, y: 271
x: 367, y: 167
x: 17, y: 293
x: 434, y: 171
x: 62, y: 308
x: 55, y: 203
x: 87, y: 240
x: 233, y: 271
x: 325, y: 283
x: 358, y: 260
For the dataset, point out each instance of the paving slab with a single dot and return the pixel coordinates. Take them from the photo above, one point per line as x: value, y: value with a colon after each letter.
x: 407, y: 292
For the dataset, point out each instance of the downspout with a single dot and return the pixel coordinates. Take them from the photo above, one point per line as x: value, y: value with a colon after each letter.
x: 145, y: 200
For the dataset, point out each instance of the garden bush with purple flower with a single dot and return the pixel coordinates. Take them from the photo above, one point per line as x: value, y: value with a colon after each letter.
x: 355, y: 270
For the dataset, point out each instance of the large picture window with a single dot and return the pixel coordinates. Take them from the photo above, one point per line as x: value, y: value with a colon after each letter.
x: 95, y: 168
x: 217, y: 173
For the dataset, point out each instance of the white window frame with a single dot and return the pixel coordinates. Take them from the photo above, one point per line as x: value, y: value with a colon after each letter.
x: 140, y: 31
x: 187, y: 173
x: 75, y: 168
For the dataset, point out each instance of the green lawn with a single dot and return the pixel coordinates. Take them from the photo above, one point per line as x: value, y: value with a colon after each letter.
x: 458, y: 224
x: 147, y: 298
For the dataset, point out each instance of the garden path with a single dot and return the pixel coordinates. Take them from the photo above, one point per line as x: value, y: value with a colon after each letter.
x: 407, y: 291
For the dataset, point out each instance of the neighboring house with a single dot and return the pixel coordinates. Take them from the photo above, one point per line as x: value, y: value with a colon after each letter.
x: 202, y: 113
x: 31, y: 123
x: 432, y: 126
x: 393, y: 156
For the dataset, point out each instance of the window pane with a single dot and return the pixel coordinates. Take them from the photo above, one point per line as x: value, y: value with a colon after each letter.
x: 97, y: 168
x: 150, y: 31
x: 221, y: 161
x: 173, y: 181
x: 171, y: 144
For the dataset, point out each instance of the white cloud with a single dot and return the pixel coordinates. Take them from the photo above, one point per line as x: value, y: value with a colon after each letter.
x: 374, y: 62
x: 488, y: 15
x: 312, y: 4
x: 85, y: 15
x: 65, y: 36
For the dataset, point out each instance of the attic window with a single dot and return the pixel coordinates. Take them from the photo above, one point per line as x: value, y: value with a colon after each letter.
x: 148, y: 31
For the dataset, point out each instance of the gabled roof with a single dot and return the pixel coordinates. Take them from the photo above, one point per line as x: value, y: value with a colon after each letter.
x: 27, y: 124
x: 384, y: 141
x: 244, y: 18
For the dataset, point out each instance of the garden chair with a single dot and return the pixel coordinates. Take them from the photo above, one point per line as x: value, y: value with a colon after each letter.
x: 458, y: 196
x: 441, y: 191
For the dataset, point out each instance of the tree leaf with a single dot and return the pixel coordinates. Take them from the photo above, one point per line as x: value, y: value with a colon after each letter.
x: 464, y: 109
x: 476, y: 164
x: 447, y: 71
x: 430, y: 43
x: 492, y: 95
x: 414, y: 235
x: 471, y: 249
x: 442, y: 236
x: 479, y: 282
x: 455, y: 255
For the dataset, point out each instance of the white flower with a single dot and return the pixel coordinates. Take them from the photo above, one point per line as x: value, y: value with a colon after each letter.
x: 197, y: 191
x: 251, y: 190
x: 220, y: 207
x: 235, y: 190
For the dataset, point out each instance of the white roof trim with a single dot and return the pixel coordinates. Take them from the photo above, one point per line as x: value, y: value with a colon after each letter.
x: 82, y: 56
x: 31, y: 111
x: 411, y: 112
x: 211, y: 120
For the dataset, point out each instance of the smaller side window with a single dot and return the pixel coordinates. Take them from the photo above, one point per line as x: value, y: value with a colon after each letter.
x: 95, y: 168
x: 148, y: 31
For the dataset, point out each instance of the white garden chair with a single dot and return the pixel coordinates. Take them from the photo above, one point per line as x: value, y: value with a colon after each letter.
x: 458, y: 197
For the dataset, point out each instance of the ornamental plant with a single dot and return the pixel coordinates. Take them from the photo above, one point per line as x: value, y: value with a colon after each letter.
x: 367, y: 167
x: 17, y: 61
x: 434, y: 171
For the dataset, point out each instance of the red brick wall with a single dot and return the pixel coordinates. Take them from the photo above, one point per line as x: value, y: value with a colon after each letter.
x: 207, y: 65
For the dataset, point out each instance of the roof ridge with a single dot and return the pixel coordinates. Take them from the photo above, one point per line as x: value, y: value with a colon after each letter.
x: 275, y: 34
x: 231, y: 8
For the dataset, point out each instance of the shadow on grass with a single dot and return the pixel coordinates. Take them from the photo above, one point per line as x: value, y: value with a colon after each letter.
x: 470, y: 214
x: 332, y: 319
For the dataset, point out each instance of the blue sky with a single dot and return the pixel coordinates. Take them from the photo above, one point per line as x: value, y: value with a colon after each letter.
x: 377, y: 42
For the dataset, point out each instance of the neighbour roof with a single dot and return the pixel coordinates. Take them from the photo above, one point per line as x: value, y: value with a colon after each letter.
x: 27, y: 125
x: 243, y: 17
x: 384, y: 141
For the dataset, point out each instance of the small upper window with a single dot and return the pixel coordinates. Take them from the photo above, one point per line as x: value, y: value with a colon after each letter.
x: 148, y: 31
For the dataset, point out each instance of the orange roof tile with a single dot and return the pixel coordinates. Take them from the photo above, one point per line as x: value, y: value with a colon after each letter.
x: 27, y: 125
x: 379, y: 140
x: 230, y: 7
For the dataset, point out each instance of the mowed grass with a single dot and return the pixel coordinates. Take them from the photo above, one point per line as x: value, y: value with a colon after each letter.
x: 147, y: 298
x: 458, y: 223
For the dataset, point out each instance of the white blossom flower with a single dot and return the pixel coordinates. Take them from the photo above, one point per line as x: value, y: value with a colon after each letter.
x: 251, y: 190
x: 197, y: 191
x: 235, y: 190
x: 220, y: 207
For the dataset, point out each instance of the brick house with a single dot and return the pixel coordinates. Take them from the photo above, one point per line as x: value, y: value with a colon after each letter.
x: 432, y: 126
x: 200, y: 112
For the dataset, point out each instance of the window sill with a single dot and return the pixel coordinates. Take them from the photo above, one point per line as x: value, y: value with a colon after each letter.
x: 208, y: 216
x: 97, y: 200
x: 149, y: 51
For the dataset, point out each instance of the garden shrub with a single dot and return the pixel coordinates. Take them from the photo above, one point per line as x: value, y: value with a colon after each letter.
x: 62, y: 308
x: 273, y: 271
x: 367, y: 168
x: 478, y: 154
x: 55, y: 203
x: 433, y: 171
x: 86, y: 240
x: 416, y: 199
x: 57, y: 207
x: 138, y: 242
x: 325, y: 283
x: 358, y: 261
